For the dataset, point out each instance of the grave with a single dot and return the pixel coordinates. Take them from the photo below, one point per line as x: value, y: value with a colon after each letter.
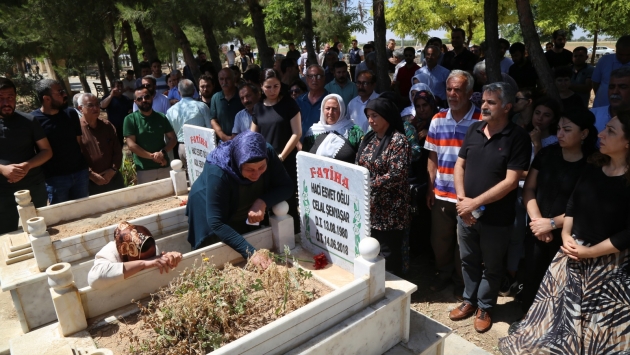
x: 368, y: 311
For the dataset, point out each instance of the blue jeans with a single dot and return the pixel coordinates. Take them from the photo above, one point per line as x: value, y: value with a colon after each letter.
x: 482, y: 248
x: 68, y: 187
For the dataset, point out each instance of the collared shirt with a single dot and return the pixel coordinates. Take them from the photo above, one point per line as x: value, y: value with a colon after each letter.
x: 347, y: 93
x: 445, y: 137
x: 224, y: 111
x: 242, y: 122
x: 160, y: 104
x: 149, y: 132
x: 601, y: 75
x: 188, y: 111
x: 579, y: 77
x: 437, y: 82
x: 100, y: 146
x: 310, y: 112
x: 602, y: 116
x: 487, y: 163
x: 356, y: 111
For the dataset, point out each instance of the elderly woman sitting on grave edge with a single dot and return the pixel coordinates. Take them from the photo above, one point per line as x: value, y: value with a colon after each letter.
x: 241, y: 178
x: 132, y: 251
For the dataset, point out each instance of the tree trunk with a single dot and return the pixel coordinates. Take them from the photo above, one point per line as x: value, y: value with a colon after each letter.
x: 107, y: 67
x: 491, y: 22
x: 536, y: 55
x: 101, y: 73
x: 307, y: 26
x: 207, y: 25
x: 258, y: 19
x: 594, y: 52
x: 189, y: 58
x: 146, y: 37
x: 131, y: 45
x: 382, y: 82
x: 84, y: 83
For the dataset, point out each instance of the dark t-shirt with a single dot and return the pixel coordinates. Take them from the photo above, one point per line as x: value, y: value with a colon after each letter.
x: 118, y: 109
x: 600, y: 207
x: 487, y: 163
x: 274, y: 122
x: 149, y: 132
x: 18, y: 134
x: 556, y: 180
x: 564, y: 58
x: 573, y: 101
x: 525, y: 76
x: 466, y: 60
x: 390, y: 54
x: 62, y: 131
x: 294, y: 54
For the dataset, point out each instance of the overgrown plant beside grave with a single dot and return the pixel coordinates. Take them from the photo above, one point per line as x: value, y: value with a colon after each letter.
x: 207, y: 307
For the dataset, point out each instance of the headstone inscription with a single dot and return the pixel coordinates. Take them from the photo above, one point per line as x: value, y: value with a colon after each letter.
x: 200, y: 141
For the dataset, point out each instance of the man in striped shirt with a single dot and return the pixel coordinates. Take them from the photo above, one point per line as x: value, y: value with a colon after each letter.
x: 445, y: 137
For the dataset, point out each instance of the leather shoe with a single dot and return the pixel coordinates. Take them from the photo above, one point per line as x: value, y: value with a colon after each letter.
x: 483, y: 321
x: 464, y: 310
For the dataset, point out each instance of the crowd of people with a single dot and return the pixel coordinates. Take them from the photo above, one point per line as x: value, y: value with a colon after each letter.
x: 517, y: 193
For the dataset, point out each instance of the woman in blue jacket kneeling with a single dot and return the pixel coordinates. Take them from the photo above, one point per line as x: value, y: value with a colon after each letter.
x: 241, y: 178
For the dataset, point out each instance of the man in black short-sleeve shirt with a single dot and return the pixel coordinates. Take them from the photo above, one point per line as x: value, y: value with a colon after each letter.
x: 23, y: 149
x: 493, y: 156
x: 559, y: 56
x: 67, y: 176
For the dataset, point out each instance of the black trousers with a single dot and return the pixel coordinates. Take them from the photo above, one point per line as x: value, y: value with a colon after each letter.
x: 538, y: 256
x: 391, y: 248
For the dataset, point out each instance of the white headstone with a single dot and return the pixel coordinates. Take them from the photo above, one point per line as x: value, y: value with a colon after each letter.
x: 334, y: 207
x: 199, y: 141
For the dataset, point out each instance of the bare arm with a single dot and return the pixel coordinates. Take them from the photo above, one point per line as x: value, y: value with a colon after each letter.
x: 136, y: 149
x: 16, y: 172
x: 164, y: 262
x: 172, y: 141
x: 432, y: 165
x: 296, y: 130
x: 458, y: 177
x: 254, y: 128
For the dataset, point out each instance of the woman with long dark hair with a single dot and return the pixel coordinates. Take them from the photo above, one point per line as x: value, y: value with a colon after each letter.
x: 277, y: 118
x: 542, y: 128
x: 550, y: 182
x: 583, y: 301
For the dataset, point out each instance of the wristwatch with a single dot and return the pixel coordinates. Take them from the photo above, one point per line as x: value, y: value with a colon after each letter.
x: 553, y: 223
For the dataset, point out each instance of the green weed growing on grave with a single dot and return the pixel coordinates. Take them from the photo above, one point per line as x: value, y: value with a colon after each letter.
x: 207, y: 307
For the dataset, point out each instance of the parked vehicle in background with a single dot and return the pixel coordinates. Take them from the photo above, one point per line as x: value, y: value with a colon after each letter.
x: 600, y: 50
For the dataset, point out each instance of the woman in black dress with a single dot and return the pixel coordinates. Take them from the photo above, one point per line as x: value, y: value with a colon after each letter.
x: 550, y: 182
x: 583, y: 302
x: 277, y: 118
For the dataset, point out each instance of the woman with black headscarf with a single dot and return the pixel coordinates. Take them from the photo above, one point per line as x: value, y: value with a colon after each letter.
x: 386, y: 153
x: 241, y: 178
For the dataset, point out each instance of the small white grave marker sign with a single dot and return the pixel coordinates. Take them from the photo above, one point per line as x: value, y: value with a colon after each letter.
x: 334, y: 207
x: 199, y: 141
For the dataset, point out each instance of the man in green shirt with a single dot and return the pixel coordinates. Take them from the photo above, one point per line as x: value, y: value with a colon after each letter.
x: 225, y: 105
x: 150, y: 137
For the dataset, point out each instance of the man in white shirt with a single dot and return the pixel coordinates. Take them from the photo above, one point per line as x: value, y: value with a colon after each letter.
x: 437, y: 73
x: 250, y: 95
x: 303, y: 62
x: 231, y: 56
x: 160, y: 102
x: 322, y: 55
x: 366, y: 82
x: 129, y: 85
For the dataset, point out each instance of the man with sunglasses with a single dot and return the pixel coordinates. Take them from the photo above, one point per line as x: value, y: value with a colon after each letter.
x: 146, y: 131
x: 67, y: 171
x: 310, y: 103
x: 160, y: 102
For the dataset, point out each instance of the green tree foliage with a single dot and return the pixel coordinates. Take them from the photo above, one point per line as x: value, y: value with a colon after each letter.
x: 417, y: 18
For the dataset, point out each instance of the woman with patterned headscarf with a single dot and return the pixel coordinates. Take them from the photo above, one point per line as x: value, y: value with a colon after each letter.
x: 385, y: 152
x: 132, y: 251
x: 241, y: 178
x: 335, y: 135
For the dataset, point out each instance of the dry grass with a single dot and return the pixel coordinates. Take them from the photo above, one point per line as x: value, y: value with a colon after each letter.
x: 206, y: 307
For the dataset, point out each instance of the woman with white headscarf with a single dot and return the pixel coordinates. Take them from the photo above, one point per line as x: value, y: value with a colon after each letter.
x: 415, y: 88
x: 335, y: 135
